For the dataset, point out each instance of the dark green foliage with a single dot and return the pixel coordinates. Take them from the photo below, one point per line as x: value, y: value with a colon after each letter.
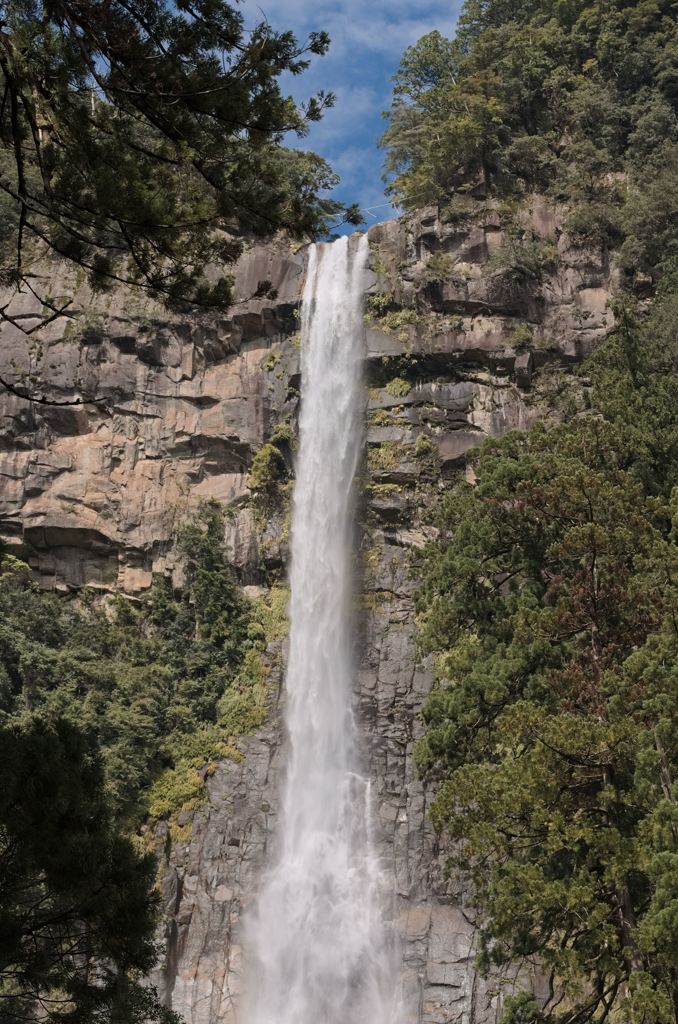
x: 141, y: 140
x: 549, y: 603
x: 650, y: 215
x: 563, y: 97
x: 635, y: 380
x: 77, y: 913
x: 143, y: 678
x: 111, y: 713
x: 549, y: 600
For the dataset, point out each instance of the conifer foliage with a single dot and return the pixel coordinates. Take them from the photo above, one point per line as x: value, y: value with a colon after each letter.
x: 550, y: 603
x: 140, y: 138
x: 561, y: 96
x: 549, y: 600
x: 77, y: 910
x: 107, y: 715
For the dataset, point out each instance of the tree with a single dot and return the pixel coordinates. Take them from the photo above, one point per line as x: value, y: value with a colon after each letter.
x: 77, y: 913
x: 111, y: 714
x: 145, y: 679
x: 549, y: 603
x: 142, y: 141
x: 634, y: 378
x: 560, y: 97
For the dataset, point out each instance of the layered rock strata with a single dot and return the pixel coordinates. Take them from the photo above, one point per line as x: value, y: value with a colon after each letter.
x: 473, y: 330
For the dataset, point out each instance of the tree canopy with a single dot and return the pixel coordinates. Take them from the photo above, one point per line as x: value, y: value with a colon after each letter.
x: 153, y: 682
x: 563, y: 97
x: 555, y: 728
x: 142, y: 140
x: 77, y: 909
x: 549, y: 604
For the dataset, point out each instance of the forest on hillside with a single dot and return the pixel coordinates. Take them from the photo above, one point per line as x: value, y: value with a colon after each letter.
x: 548, y: 603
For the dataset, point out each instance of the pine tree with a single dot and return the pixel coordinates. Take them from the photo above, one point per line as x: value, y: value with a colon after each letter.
x: 142, y: 140
x: 549, y: 602
x: 77, y: 910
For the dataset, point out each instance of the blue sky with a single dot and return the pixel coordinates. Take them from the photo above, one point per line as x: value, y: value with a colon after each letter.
x: 368, y: 38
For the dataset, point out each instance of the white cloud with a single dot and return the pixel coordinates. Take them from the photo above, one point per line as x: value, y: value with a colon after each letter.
x: 299, y: 14
x: 382, y: 26
x: 353, y: 106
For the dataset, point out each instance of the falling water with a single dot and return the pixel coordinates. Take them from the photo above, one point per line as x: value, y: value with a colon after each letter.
x: 317, y: 943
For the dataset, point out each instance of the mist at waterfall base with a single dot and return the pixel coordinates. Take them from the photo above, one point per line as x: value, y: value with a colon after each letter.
x: 317, y: 946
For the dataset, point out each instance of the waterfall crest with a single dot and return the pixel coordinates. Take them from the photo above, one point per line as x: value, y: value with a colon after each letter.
x: 317, y: 944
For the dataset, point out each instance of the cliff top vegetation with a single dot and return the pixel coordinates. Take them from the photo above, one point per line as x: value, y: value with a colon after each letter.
x: 572, y: 99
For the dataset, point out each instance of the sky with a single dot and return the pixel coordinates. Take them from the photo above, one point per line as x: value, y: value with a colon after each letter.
x: 368, y: 39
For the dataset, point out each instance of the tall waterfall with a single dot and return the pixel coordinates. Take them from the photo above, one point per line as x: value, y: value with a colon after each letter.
x: 317, y: 942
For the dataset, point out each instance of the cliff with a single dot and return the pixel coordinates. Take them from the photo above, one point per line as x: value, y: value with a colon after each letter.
x: 473, y: 330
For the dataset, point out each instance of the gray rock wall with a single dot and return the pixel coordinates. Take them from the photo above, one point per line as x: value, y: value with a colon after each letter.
x: 173, y: 409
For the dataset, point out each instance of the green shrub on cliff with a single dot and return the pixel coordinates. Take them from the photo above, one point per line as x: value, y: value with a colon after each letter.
x: 266, y: 470
x: 398, y: 387
x: 269, y: 478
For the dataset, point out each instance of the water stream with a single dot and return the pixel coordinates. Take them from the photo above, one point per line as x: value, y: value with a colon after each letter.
x: 317, y: 943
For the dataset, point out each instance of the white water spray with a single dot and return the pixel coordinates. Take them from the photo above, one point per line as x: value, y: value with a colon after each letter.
x: 317, y: 943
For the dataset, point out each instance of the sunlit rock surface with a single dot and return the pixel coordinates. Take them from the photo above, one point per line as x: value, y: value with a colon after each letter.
x: 173, y: 408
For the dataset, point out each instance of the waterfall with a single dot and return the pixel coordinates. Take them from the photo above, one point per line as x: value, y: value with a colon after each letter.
x: 318, y: 948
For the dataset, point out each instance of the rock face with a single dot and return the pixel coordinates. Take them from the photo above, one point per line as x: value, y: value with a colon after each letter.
x: 170, y: 409
x: 473, y: 331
